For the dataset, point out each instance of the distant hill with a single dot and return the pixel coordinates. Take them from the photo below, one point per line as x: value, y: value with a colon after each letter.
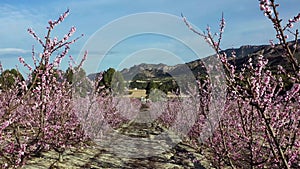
x: 145, y: 71
x: 161, y: 71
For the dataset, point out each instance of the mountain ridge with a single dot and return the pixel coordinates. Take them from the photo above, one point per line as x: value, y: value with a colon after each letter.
x: 146, y: 71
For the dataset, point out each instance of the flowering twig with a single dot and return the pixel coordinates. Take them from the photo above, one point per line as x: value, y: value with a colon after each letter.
x: 269, y: 7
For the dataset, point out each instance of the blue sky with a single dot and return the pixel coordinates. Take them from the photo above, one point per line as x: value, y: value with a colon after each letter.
x: 245, y: 24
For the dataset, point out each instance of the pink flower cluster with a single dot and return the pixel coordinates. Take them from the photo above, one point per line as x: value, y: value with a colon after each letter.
x: 39, y: 115
x: 294, y: 20
x: 62, y: 17
x: 259, y: 127
x: 265, y: 6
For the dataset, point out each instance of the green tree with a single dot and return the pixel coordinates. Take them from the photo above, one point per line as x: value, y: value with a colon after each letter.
x: 8, y: 79
x: 69, y: 75
x: 118, y: 83
x: 138, y: 85
x: 168, y: 85
x: 107, y: 78
x: 112, y: 81
x: 150, y: 86
x: 77, y: 78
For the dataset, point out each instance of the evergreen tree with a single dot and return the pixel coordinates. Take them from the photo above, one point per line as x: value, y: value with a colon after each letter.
x: 8, y: 79
x: 150, y: 86
x: 118, y: 83
x: 78, y: 79
x: 112, y: 81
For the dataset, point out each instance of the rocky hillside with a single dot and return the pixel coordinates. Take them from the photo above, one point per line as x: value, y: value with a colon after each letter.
x: 160, y: 71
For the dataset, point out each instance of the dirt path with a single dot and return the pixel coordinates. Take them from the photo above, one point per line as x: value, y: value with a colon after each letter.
x: 138, y: 144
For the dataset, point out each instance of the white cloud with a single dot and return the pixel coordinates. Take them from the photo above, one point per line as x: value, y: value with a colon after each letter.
x: 12, y: 51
